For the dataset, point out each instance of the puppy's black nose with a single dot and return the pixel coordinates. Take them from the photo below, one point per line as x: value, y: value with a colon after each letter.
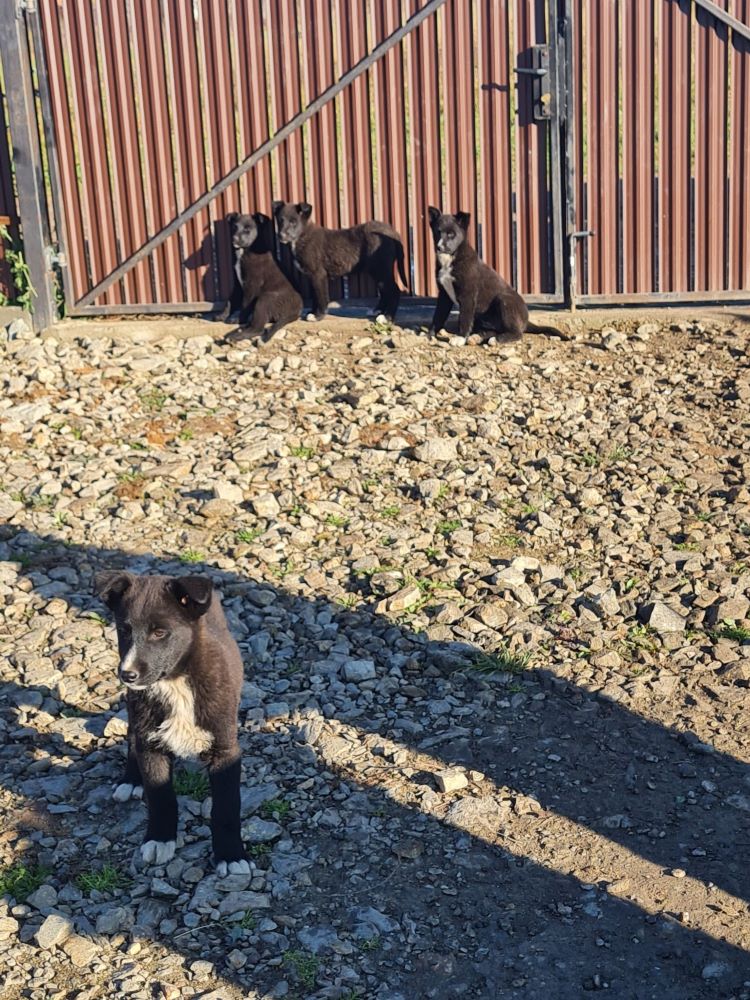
x: 128, y: 676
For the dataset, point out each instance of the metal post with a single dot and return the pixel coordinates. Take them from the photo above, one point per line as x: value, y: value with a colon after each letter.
x: 27, y: 159
x: 569, y: 156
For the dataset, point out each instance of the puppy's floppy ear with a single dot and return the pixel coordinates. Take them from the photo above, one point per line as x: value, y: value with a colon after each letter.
x: 463, y: 219
x: 111, y: 584
x: 304, y: 209
x: 231, y: 218
x: 192, y: 593
x: 260, y: 218
x: 276, y: 207
x: 434, y: 213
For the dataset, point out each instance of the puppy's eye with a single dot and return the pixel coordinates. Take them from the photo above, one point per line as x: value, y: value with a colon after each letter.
x: 159, y: 633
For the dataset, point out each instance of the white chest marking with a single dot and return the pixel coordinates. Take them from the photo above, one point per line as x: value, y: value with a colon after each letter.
x: 445, y: 276
x: 179, y: 732
x: 238, y: 264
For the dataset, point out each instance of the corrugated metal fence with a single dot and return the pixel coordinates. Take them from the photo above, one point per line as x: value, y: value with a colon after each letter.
x: 148, y: 104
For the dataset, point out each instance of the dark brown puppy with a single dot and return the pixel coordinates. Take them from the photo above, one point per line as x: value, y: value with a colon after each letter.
x: 183, y: 674
x: 267, y: 295
x: 486, y: 302
x: 373, y: 247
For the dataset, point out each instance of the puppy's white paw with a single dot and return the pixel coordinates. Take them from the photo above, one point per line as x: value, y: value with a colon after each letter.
x: 381, y: 319
x: 124, y: 792
x: 232, y: 868
x: 158, y: 852
x: 311, y: 317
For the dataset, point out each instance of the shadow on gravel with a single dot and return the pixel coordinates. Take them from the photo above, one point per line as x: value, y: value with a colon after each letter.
x: 478, y: 917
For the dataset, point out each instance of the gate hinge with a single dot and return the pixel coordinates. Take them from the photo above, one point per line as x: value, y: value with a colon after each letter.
x: 581, y: 234
x: 25, y: 7
x: 55, y: 258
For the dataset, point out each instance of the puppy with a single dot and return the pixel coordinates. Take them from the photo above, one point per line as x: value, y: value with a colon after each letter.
x: 373, y: 247
x: 183, y: 674
x: 267, y: 296
x: 485, y: 301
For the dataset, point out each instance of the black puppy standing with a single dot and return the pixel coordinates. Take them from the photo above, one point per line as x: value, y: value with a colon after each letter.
x: 261, y: 291
x: 183, y: 674
x: 372, y: 247
x: 486, y: 302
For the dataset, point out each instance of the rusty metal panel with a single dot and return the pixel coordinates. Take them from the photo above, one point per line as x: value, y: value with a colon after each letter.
x: 739, y: 157
x: 188, y: 138
x: 424, y: 147
x: 638, y: 147
x: 674, y: 147
x: 391, y: 181
x: 289, y: 159
x: 324, y: 192
x: 602, y: 129
x: 128, y: 200
x: 711, y: 65
x: 458, y: 88
x: 495, y: 212
x: 92, y: 151
x: 252, y: 96
x: 532, y: 186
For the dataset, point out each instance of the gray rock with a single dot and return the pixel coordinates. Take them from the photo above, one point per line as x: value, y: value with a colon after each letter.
x: 318, y: 939
x: 260, y: 831
x: 242, y: 900
x: 436, y: 450
x: 357, y: 671
x: 114, y: 919
x: 663, y: 619
x: 55, y: 930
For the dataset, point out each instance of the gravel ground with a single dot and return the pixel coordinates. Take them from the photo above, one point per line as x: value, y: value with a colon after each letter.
x: 493, y: 602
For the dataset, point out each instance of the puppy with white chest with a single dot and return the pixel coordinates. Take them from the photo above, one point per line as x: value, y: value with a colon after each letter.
x: 486, y: 302
x: 265, y: 294
x: 183, y: 674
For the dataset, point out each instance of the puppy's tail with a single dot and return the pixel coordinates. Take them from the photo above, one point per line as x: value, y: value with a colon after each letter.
x: 551, y: 331
x: 398, y: 264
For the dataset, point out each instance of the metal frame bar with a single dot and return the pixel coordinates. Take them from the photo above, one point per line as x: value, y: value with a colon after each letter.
x: 263, y: 150
x: 56, y: 209
x: 27, y: 159
x: 556, y: 46
x: 666, y: 298
x: 569, y: 124
x: 722, y: 15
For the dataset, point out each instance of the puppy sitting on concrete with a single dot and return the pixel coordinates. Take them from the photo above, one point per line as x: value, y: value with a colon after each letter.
x: 266, y: 294
x: 485, y: 301
x: 372, y: 247
x: 183, y: 674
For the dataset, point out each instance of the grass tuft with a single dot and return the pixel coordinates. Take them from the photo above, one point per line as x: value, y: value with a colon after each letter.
x: 19, y: 881
x: 104, y: 879
x: 502, y: 661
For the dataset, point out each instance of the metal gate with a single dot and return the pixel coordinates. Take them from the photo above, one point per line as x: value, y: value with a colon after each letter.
x: 162, y: 116
x: 660, y: 162
x: 601, y: 146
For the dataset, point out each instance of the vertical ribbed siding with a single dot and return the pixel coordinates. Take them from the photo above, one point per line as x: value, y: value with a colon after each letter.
x: 495, y: 82
x: 674, y: 147
x: 602, y: 175
x: 711, y: 65
x: 638, y: 147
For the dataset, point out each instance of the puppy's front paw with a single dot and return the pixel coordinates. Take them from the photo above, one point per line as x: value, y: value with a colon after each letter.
x: 158, y: 852
x: 311, y: 317
x: 125, y: 791
x: 232, y: 868
x: 238, y: 335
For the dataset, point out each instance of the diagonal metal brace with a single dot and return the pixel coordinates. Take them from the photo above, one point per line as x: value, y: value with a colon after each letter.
x: 722, y: 15
x: 263, y: 150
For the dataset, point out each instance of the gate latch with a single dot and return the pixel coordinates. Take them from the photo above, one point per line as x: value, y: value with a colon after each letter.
x: 538, y: 74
